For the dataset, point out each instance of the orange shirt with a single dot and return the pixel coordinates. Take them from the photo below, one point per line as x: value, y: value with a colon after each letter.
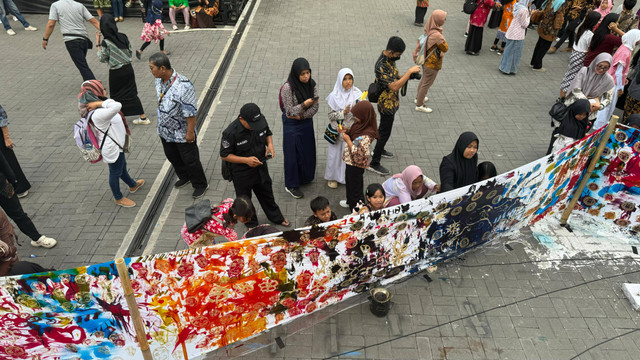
x: 507, y: 17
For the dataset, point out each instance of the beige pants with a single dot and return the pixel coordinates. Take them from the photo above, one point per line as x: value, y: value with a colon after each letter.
x: 428, y: 77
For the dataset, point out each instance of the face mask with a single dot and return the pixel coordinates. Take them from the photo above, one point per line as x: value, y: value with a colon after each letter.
x: 394, y: 58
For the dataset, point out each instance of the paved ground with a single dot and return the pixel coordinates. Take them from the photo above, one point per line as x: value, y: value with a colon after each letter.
x: 71, y: 201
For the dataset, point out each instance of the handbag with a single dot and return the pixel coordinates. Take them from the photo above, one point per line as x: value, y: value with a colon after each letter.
x: 558, y: 111
x: 374, y: 91
x: 197, y: 215
x: 495, y: 19
x: 470, y: 6
x: 331, y: 134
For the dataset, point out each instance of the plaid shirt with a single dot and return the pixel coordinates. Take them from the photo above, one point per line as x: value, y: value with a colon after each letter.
x: 178, y: 103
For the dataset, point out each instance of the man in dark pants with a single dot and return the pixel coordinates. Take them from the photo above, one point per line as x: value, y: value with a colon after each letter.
x: 247, y: 144
x: 72, y: 15
x: 177, y: 109
x: 388, y: 76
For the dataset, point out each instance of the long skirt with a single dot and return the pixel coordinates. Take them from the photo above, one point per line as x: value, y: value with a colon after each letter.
x: 575, y: 64
x: 23, y: 184
x: 605, y: 114
x: 474, y: 39
x: 631, y: 106
x: 299, y: 148
x: 122, y: 88
x: 334, y: 171
x: 511, y: 56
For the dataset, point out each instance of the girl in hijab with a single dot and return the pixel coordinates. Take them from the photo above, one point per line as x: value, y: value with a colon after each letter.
x: 505, y: 22
x: 604, y: 7
x: 340, y: 100
x: 460, y: 168
x: 298, y: 102
x: 476, y: 25
x: 551, y: 21
x: 410, y: 185
x: 618, y: 70
x: 515, y: 38
x: 107, y: 120
x: 435, y: 48
x: 115, y: 50
x: 153, y: 29
x: 583, y: 39
x: 632, y: 102
x: 357, y: 150
x: 572, y: 128
x: 594, y: 84
x: 603, y: 40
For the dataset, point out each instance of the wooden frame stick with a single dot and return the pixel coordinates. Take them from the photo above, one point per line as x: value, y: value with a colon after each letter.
x: 134, y: 312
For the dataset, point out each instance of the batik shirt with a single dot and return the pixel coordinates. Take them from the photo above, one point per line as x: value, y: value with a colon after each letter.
x: 386, y: 73
x: 627, y: 21
x: 178, y: 103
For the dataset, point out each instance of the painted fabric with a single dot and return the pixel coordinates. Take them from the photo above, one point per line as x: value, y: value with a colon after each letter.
x: 177, y: 105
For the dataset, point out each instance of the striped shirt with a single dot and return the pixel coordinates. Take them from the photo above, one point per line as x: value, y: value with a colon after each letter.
x: 518, y: 27
x: 113, y: 55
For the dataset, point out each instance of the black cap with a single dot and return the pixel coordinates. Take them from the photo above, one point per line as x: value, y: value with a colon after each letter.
x: 251, y: 113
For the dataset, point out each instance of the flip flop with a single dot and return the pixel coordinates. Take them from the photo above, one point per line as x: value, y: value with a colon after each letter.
x: 285, y: 223
x: 167, y: 52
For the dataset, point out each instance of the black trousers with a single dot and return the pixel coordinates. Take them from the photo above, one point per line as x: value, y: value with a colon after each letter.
x: 23, y: 184
x: 569, y: 32
x: 261, y: 185
x: 354, y: 184
x: 474, y: 39
x: 14, y: 210
x: 78, y: 51
x: 542, y: 46
x: 420, y: 13
x: 26, y: 267
x: 185, y: 159
x: 384, y: 130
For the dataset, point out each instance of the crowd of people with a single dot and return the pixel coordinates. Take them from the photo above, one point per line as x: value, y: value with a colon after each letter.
x: 601, y: 71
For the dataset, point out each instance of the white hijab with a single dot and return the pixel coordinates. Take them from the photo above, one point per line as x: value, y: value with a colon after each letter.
x: 631, y: 38
x: 339, y: 98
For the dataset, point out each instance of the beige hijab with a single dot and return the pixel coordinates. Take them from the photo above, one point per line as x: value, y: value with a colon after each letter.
x: 433, y: 28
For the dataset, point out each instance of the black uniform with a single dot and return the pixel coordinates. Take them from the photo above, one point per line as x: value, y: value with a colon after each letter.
x: 239, y: 141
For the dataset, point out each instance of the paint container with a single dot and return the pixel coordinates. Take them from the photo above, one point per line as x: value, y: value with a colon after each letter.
x: 380, y: 301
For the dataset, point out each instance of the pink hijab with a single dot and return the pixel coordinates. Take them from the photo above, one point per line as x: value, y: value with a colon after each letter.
x: 605, y: 11
x: 433, y: 28
x: 408, y: 175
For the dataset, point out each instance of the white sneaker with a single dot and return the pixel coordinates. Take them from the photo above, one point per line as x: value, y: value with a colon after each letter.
x: 31, y: 28
x: 14, y: 18
x: 187, y: 27
x: 11, y: 32
x: 344, y: 204
x: 23, y: 194
x: 415, y: 101
x: 423, y: 109
x: 45, y: 242
x: 175, y: 27
x: 141, y: 121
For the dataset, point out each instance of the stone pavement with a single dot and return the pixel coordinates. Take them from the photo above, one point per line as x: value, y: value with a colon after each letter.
x: 71, y: 200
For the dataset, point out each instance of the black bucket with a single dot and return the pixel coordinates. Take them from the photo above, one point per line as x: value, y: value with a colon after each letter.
x: 380, y: 301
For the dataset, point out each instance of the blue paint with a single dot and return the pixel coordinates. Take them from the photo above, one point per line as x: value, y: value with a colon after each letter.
x: 545, y: 240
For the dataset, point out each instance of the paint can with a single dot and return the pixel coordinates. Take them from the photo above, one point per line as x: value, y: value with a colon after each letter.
x: 380, y: 301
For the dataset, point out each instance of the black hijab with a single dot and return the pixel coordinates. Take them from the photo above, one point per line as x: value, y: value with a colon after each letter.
x: 109, y: 30
x: 301, y: 90
x: 571, y: 126
x: 466, y: 170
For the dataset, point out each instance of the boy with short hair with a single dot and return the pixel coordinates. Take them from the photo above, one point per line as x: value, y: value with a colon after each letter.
x: 321, y: 212
x: 627, y: 20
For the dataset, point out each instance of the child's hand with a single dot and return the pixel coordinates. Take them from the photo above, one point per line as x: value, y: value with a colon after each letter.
x: 346, y: 138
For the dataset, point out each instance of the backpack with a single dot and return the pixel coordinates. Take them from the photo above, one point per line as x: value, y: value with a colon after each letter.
x: 87, y: 140
x: 470, y: 6
x: 420, y: 59
x: 374, y: 91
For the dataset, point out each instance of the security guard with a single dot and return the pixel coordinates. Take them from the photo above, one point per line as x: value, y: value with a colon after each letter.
x: 247, y: 143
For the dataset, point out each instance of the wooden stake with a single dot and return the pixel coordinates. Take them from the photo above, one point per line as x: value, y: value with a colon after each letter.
x: 587, y: 174
x: 134, y: 312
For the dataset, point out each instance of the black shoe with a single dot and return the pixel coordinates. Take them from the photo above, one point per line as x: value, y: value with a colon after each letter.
x: 181, y: 183
x: 387, y: 154
x: 295, y: 192
x: 198, y: 193
x: 378, y: 169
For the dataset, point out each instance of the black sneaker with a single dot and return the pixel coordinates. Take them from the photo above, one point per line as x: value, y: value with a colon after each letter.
x: 378, y: 169
x: 181, y: 183
x: 387, y: 154
x: 198, y: 193
x: 295, y: 192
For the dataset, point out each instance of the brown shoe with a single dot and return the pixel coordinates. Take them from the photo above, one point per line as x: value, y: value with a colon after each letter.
x: 125, y: 202
x: 139, y: 184
x: 552, y: 50
x: 567, y: 49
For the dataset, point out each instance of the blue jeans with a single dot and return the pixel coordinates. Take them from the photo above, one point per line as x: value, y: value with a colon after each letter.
x: 11, y: 8
x: 118, y: 170
x: 117, y: 8
x: 511, y: 56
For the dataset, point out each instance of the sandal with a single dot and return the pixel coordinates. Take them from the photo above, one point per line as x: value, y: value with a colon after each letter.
x: 166, y: 52
x: 285, y: 223
x: 138, y: 54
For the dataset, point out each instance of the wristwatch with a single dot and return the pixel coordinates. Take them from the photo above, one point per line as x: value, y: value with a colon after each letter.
x: 45, y: 39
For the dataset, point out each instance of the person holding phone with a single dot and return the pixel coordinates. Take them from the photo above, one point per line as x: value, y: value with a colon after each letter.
x: 247, y: 143
x: 299, y: 103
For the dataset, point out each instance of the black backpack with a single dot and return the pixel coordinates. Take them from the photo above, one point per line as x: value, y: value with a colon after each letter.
x: 375, y: 90
x: 470, y: 6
